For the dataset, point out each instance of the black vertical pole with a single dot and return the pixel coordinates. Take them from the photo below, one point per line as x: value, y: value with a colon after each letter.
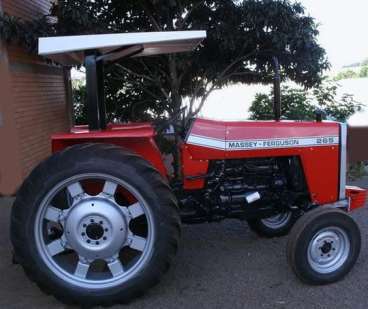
x: 95, y: 93
x: 277, y: 90
x: 101, y: 94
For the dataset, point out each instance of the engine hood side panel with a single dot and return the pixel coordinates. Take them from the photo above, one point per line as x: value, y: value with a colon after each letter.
x: 317, y: 145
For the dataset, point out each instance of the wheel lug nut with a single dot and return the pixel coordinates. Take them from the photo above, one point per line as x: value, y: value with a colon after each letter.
x: 104, y: 238
x: 84, y: 225
x: 101, y: 222
x: 97, y: 242
x: 83, y: 234
x: 92, y: 220
x: 88, y: 241
x: 106, y: 230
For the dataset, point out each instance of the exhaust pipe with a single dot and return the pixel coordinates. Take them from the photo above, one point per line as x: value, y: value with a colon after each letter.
x: 277, y: 90
x: 240, y: 199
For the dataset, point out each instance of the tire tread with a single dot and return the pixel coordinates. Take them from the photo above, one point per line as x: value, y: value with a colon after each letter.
x: 170, y: 219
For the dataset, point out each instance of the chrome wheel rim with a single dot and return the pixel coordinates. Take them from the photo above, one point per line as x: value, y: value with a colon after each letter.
x: 94, y: 231
x: 328, y: 250
x: 277, y: 221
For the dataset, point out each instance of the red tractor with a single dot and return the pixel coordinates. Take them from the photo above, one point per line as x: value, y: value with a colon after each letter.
x: 99, y: 221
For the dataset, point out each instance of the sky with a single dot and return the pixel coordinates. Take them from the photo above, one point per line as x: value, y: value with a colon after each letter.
x: 342, y: 25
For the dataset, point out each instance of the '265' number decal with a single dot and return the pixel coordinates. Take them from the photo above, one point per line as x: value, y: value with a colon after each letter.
x: 325, y: 140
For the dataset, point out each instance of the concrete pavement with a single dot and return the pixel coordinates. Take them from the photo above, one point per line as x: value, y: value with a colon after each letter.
x: 219, y: 265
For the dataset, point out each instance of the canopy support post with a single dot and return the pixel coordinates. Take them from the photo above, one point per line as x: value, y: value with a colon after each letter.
x: 95, y: 92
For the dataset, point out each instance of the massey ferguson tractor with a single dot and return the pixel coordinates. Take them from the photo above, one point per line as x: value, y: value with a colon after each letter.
x: 99, y: 221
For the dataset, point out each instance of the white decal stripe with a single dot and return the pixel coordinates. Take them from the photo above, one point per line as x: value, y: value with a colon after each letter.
x: 250, y: 139
x: 205, y: 141
x: 206, y: 137
x: 272, y: 143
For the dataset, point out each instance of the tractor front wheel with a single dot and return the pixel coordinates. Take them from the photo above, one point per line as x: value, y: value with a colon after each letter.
x: 95, y: 225
x: 275, y: 226
x: 324, y: 245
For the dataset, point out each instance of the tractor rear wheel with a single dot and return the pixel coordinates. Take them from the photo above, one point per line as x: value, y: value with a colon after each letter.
x: 323, y: 246
x: 95, y: 225
x: 275, y: 226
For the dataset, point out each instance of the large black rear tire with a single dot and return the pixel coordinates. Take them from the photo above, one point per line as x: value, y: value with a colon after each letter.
x: 323, y: 246
x: 113, y: 282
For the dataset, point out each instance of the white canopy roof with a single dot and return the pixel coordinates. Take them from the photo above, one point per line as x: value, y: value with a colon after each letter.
x: 69, y: 50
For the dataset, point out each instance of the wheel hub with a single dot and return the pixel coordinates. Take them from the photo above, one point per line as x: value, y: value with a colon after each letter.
x: 277, y: 221
x: 328, y: 250
x: 96, y: 228
x: 327, y: 247
x: 95, y: 231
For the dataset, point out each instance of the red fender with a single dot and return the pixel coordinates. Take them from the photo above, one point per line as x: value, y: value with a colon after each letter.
x: 137, y: 137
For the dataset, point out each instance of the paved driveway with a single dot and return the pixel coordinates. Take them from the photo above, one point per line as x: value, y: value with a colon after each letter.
x: 219, y: 265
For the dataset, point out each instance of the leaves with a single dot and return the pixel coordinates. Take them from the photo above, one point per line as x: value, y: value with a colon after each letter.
x: 364, y: 71
x: 242, y: 38
x: 346, y: 75
x: 349, y: 74
x: 301, y: 104
x: 25, y: 32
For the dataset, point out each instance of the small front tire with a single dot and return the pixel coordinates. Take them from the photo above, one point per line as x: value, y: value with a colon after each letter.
x: 323, y: 246
x: 275, y: 226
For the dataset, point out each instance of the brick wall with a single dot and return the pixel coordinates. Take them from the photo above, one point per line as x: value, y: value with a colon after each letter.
x: 37, y: 102
x: 26, y: 9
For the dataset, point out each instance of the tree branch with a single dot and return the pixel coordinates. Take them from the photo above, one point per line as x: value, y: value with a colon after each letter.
x: 135, y: 73
x: 203, y: 100
x: 233, y: 63
x: 195, y: 95
x: 222, y: 76
x: 240, y: 74
x: 155, y: 81
x: 184, y: 20
x: 150, y: 16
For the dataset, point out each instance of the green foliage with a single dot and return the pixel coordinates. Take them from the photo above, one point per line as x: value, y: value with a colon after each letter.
x: 348, y: 74
x: 364, y: 71
x: 357, y: 170
x: 295, y: 105
x: 301, y: 104
x: 25, y: 32
x: 242, y: 37
x: 79, y: 98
